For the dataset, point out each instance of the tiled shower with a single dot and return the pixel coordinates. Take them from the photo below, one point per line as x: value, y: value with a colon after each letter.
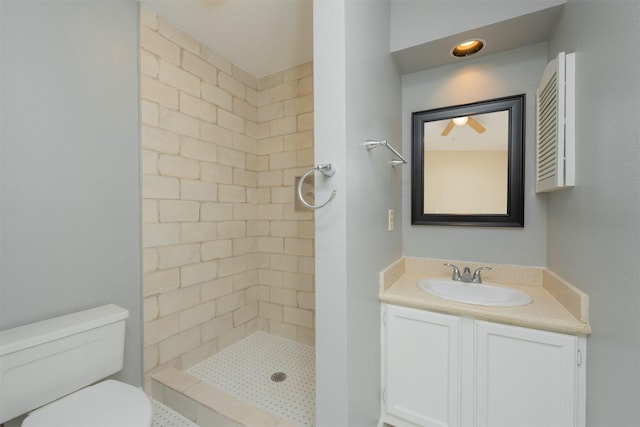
x: 226, y: 251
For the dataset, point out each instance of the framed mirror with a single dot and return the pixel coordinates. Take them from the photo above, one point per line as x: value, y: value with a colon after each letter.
x: 468, y: 164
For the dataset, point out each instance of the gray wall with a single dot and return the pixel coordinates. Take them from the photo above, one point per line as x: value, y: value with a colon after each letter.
x: 593, y: 232
x: 357, y: 97
x: 509, y: 73
x: 70, y: 163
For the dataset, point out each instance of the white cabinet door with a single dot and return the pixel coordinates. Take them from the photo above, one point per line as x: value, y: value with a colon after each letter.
x: 422, y: 361
x: 525, y: 377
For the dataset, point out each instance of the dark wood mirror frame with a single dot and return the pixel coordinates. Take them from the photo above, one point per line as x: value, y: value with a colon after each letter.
x: 514, y: 216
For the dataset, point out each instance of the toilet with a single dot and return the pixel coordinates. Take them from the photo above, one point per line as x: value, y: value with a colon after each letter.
x: 55, y: 371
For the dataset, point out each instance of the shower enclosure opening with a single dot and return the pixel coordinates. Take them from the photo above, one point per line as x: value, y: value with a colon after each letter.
x: 228, y: 257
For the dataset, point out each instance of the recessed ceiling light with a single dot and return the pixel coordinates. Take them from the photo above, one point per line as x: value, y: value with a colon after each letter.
x: 467, y: 48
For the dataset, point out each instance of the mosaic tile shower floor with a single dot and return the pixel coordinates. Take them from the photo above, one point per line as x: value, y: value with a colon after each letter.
x: 245, y: 370
x: 166, y: 417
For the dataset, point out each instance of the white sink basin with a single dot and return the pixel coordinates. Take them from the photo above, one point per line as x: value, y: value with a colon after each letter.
x: 475, y: 293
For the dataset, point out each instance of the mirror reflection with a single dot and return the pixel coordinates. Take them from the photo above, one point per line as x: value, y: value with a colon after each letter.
x: 466, y: 156
x: 467, y: 164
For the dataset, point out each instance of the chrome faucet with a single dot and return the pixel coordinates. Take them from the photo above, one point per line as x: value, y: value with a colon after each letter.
x: 456, y: 272
x: 476, y: 274
x: 466, y: 275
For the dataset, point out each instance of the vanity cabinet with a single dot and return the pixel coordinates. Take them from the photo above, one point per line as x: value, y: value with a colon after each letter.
x: 445, y: 370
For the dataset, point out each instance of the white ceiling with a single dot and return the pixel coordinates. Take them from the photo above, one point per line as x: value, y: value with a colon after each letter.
x: 268, y: 36
x: 260, y: 36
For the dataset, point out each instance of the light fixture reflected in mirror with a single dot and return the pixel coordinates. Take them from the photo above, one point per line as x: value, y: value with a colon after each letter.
x: 467, y: 48
x: 461, y: 121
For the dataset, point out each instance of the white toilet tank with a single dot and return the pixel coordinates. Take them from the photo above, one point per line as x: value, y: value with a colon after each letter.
x: 46, y: 360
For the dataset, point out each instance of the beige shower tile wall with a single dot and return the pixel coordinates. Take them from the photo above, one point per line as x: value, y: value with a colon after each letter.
x: 285, y: 150
x: 225, y: 252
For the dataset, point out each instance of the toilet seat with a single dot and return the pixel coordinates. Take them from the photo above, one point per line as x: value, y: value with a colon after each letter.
x: 106, y: 404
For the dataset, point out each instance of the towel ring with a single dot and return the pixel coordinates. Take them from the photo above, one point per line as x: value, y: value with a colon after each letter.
x: 327, y: 170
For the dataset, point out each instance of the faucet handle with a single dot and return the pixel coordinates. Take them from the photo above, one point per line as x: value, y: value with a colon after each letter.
x: 476, y: 274
x: 456, y: 272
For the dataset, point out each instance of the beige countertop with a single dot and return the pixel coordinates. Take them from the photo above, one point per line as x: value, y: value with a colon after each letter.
x: 399, y: 286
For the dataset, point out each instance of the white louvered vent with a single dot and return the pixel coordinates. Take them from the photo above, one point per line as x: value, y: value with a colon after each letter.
x: 555, y: 125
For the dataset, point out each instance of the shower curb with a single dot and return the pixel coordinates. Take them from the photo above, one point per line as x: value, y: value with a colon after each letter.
x: 207, y: 405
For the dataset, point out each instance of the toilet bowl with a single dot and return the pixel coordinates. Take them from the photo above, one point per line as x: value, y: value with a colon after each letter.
x: 55, y: 371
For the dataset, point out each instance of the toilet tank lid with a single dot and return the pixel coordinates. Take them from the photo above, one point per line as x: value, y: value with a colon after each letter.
x: 22, y: 337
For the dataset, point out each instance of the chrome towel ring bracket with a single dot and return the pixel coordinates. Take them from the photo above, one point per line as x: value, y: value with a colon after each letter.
x: 327, y: 170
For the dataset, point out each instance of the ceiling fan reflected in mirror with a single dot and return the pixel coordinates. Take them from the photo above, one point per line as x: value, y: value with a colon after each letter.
x: 461, y: 121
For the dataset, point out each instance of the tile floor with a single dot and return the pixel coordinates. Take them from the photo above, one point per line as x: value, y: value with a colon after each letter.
x: 165, y: 417
x: 245, y: 370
